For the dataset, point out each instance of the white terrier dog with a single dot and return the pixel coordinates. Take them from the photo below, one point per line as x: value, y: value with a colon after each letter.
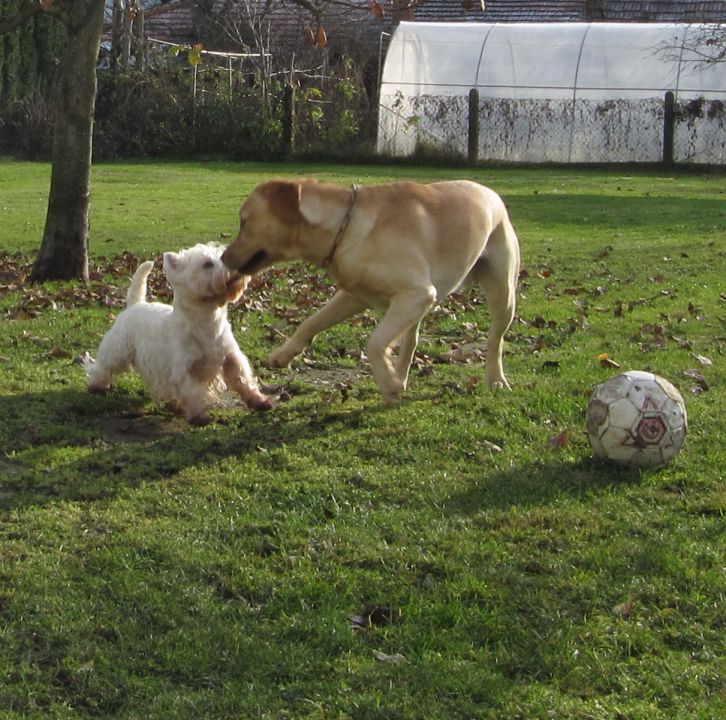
x: 185, y: 352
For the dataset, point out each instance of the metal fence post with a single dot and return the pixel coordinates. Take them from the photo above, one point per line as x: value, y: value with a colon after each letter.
x: 288, y: 120
x: 473, y: 148
x: 669, y: 127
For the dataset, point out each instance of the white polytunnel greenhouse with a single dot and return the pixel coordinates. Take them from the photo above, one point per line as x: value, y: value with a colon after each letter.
x: 554, y: 92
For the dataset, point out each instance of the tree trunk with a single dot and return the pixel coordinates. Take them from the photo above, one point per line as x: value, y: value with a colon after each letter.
x: 63, y: 253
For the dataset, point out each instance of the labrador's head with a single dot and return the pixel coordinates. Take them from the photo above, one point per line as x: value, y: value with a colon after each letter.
x: 271, y: 220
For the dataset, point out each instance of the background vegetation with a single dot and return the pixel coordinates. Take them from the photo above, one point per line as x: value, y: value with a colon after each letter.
x: 460, y: 555
x: 28, y: 62
x: 181, y: 103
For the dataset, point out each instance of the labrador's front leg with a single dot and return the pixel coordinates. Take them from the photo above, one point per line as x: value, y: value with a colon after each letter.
x: 402, y: 318
x: 340, y: 307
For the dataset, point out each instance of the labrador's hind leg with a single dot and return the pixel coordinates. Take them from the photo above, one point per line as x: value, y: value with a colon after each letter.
x: 497, y: 271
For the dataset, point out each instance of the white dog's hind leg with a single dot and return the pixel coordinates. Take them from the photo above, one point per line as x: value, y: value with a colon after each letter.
x: 195, y: 399
x: 405, y: 312
x: 340, y: 307
x: 113, y: 360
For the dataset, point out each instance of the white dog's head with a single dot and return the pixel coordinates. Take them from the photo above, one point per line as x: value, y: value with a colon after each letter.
x: 198, y: 274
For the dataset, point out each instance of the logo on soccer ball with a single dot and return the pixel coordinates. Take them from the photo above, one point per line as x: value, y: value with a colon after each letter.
x: 651, y: 430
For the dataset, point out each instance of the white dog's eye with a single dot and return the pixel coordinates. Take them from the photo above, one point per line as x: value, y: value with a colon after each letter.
x: 208, y: 264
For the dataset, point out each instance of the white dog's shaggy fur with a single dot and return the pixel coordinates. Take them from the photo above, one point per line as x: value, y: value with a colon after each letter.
x: 185, y: 352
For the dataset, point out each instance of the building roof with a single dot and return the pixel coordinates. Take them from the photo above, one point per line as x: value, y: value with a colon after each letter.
x: 183, y: 22
x: 684, y: 11
x: 501, y: 11
x: 172, y: 22
x: 573, y: 11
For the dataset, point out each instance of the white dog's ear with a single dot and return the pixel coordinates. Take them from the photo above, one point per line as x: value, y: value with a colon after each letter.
x: 311, y: 204
x: 172, y: 261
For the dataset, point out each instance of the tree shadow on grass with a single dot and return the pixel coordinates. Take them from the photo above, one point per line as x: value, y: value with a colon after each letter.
x: 69, y: 445
x: 541, y: 483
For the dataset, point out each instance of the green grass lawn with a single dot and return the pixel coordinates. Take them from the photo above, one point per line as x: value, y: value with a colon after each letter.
x: 458, y: 556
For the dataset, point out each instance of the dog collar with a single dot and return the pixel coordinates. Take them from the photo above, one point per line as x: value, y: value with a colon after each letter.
x: 343, y: 225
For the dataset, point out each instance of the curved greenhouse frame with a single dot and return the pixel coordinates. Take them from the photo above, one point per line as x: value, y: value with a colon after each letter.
x: 553, y: 92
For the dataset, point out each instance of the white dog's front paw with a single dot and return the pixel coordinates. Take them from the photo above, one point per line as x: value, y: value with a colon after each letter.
x: 261, y: 402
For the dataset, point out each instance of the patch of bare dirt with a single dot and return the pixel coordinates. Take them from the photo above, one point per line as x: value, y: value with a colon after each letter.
x: 143, y: 429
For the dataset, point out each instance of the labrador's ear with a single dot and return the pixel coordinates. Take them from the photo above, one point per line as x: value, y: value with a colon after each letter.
x: 283, y: 197
x: 311, y: 204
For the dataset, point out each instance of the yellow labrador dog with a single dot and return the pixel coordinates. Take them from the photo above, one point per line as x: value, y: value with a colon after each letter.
x: 400, y: 247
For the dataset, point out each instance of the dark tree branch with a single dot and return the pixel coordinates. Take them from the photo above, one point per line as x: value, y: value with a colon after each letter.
x: 27, y: 11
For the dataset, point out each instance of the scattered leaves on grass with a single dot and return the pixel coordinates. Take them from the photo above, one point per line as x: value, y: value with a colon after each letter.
x: 465, y: 353
x: 34, y: 299
x: 701, y: 382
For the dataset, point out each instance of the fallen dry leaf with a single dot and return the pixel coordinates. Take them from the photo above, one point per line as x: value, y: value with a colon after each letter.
x: 375, y: 615
x: 396, y: 659
x: 625, y: 610
x: 607, y: 362
x: 703, y: 360
x: 561, y: 440
x: 57, y: 352
x: 701, y: 382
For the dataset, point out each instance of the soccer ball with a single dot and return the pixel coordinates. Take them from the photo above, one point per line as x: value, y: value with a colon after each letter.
x: 637, y: 419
